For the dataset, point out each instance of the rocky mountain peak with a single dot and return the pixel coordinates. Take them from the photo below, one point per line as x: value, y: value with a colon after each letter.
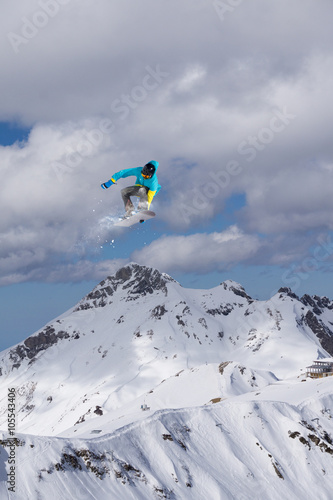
x: 134, y: 279
x: 288, y: 291
x: 236, y: 288
x: 317, y: 304
x: 142, y: 279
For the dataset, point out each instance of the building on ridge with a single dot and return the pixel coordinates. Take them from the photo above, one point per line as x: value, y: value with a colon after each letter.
x: 320, y: 368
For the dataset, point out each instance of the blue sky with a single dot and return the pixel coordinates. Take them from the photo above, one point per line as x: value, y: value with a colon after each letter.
x: 239, y: 119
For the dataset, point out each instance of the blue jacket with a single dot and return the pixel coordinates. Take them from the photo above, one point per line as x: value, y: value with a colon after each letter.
x: 151, y: 183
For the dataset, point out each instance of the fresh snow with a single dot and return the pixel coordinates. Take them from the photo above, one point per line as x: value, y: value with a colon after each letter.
x: 230, y: 413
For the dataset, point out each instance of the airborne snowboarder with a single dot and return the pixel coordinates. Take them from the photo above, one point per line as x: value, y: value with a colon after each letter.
x: 145, y: 187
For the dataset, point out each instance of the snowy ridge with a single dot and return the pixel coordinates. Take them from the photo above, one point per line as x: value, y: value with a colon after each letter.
x: 222, y: 376
x: 137, y: 280
x: 237, y: 449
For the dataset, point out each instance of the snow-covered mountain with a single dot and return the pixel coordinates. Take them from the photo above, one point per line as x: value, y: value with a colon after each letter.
x: 230, y: 413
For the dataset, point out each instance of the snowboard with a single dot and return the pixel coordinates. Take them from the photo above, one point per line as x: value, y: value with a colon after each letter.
x: 135, y: 218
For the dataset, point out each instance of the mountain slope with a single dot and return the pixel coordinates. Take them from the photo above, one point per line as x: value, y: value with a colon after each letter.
x: 242, y: 448
x: 229, y: 410
x: 139, y: 328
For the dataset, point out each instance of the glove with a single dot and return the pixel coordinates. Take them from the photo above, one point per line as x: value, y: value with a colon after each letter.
x: 107, y: 184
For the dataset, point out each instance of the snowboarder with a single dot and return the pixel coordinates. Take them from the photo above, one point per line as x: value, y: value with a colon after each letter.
x: 145, y: 188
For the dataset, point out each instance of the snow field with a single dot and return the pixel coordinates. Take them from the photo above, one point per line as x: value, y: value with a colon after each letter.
x: 229, y: 417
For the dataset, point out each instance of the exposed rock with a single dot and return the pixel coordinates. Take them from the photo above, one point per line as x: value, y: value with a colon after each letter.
x: 222, y: 310
x: 317, y: 304
x: 237, y: 289
x: 158, y: 312
x: 287, y: 291
x: 35, y: 344
x: 223, y: 365
x: 324, y: 334
x: 137, y: 280
x: 98, y: 410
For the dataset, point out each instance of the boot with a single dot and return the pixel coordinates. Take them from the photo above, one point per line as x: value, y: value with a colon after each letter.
x: 129, y: 209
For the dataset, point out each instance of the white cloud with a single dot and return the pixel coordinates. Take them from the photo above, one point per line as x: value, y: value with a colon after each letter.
x: 199, y: 253
x: 83, y: 270
x: 90, y: 53
x: 50, y: 197
x: 192, y: 77
x: 112, y: 85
